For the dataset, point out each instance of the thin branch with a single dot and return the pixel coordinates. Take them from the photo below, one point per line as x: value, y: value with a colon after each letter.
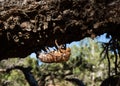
x: 76, y: 81
x: 116, y: 53
x: 116, y: 59
x: 26, y: 71
x: 109, y: 66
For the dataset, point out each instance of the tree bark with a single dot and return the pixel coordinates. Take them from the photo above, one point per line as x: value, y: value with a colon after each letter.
x: 29, y: 26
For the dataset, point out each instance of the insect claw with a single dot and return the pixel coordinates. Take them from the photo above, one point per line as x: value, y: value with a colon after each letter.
x: 47, y: 49
x: 57, y: 46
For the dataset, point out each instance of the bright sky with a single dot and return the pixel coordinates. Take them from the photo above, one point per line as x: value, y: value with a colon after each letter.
x: 103, y: 38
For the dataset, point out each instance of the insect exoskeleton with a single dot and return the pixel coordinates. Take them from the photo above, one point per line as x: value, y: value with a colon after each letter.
x: 61, y: 54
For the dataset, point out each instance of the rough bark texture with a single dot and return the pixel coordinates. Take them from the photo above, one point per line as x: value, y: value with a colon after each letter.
x: 27, y: 26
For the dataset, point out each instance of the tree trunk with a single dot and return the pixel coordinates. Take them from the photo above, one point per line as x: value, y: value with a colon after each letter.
x: 28, y: 26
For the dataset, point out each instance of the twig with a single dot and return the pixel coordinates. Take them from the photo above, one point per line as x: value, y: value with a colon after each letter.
x: 26, y: 71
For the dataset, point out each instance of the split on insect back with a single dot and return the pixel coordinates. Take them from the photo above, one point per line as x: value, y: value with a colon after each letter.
x: 61, y: 54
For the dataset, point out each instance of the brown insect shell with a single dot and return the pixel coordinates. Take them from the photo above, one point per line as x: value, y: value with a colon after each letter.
x: 55, y: 56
